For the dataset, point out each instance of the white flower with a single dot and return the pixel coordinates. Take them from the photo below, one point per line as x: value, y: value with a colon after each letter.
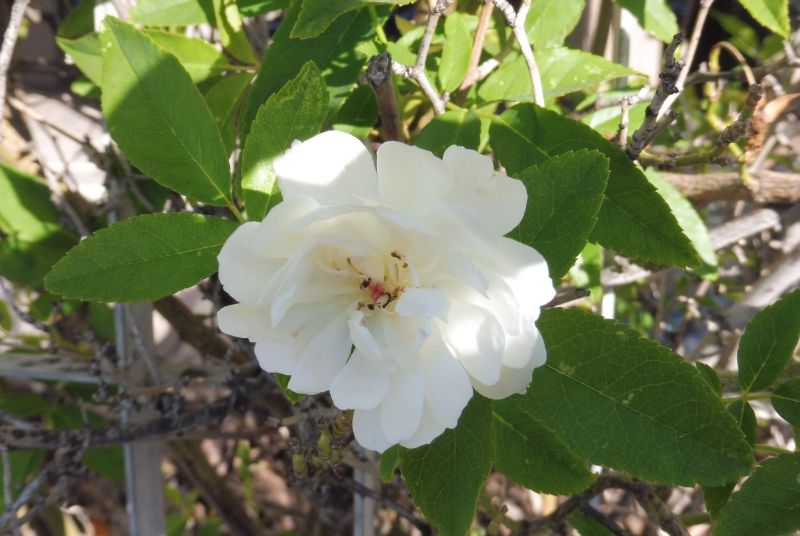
x: 395, y: 290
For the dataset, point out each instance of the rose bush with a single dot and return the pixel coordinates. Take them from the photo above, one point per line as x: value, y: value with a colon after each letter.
x: 395, y: 289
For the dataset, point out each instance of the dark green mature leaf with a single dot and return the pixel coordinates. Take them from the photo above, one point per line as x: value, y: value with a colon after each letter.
x: 655, y: 16
x: 106, y: 461
x: 710, y: 376
x: 768, y: 503
x: 389, y: 461
x: 690, y: 221
x: 455, y: 54
x: 34, y: 236
x: 633, y: 218
x: 628, y: 403
x: 296, y: 112
x: 159, y: 118
x: 86, y: 52
x: 563, y: 70
x: 715, y: 498
x: 200, y: 59
x: 224, y: 99
x: 745, y: 418
x: 549, y: 22
x: 252, y: 8
x: 141, y: 258
x: 774, y: 14
x: 454, y: 127
x: 786, y: 401
x: 172, y: 12
x: 529, y: 453
x: 445, y: 477
x: 317, y: 15
x: 768, y: 342
x: 564, y: 196
x: 333, y: 52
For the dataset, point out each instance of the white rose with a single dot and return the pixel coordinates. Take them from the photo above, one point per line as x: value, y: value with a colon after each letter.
x: 395, y: 290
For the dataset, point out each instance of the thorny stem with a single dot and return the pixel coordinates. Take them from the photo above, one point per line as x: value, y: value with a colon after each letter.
x: 9, y: 41
x: 516, y: 20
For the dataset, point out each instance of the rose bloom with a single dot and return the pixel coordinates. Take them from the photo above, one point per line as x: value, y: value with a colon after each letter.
x: 394, y: 289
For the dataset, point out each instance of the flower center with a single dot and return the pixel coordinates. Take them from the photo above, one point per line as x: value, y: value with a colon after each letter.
x: 381, y: 290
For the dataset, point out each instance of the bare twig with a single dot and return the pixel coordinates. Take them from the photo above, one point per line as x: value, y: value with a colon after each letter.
x: 417, y: 71
x: 477, y: 45
x: 516, y: 20
x: 622, y: 134
x: 7, y: 497
x: 7, y: 49
x: 764, y: 187
x: 667, y: 86
x: 379, y: 76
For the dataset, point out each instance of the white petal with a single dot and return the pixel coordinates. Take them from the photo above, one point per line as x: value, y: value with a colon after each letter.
x: 242, y: 272
x: 429, y: 429
x: 470, y: 168
x: 332, y: 167
x: 362, y: 337
x: 476, y: 339
x: 411, y: 178
x: 277, y: 355
x: 277, y: 235
x: 428, y: 302
x: 322, y: 359
x: 401, y: 408
x: 243, y: 320
x: 521, y: 348
x: 367, y: 429
x: 447, y: 385
x: 513, y: 380
x: 361, y: 384
x: 527, y: 272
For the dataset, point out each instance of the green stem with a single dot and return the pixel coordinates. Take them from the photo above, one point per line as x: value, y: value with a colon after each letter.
x: 377, y: 23
x: 761, y: 447
x: 695, y: 518
x: 236, y: 212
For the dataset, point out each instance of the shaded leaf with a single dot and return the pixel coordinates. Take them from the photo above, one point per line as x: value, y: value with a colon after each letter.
x: 358, y: 114
x: 454, y: 127
x: 317, y: 15
x: 389, y: 461
x: 786, y: 401
x: 655, y: 16
x: 86, y: 52
x: 224, y: 99
x: 710, y: 376
x: 141, y: 258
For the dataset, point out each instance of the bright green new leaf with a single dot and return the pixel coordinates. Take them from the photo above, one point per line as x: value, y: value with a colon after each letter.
x: 633, y: 218
x: 159, y: 118
x: 332, y: 51
x: 768, y: 342
x: 628, y: 403
x: 389, y: 461
x: 786, y: 401
x: 86, y: 52
x: 454, y: 127
x: 549, y: 22
x: 445, y: 477
x: 296, y: 112
x: 317, y: 15
x: 455, y: 54
x: 564, y: 196
x: 655, y: 16
x: 200, y: 59
x: 141, y: 258
x: 529, y: 453
x: 224, y: 99
x: 172, y: 12
x: 768, y: 503
x: 690, y: 221
x: 563, y: 70
x: 773, y: 14
x: 231, y: 31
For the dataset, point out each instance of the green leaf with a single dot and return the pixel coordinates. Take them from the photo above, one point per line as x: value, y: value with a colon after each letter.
x: 655, y: 16
x: 253, y: 8
x: 786, y: 401
x: 224, y: 99
x: 332, y: 52
x: 106, y: 461
x: 745, y: 418
x: 172, y: 12
x: 549, y: 22
x: 564, y: 195
x: 454, y: 127
x: 587, y: 526
x: 529, y: 453
x: 455, y: 54
x: 445, y: 477
x: 633, y: 218
x: 563, y: 70
x: 231, y: 31
x: 773, y: 14
x: 389, y: 461
x: 200, y: 59
x: 283, y: 383
x: 768, y: 503
x: 296, y: 112
x: 606, y: 120
x: 628, y: 403
x: 159, y: 118
x: 690, y: 221
x: 768, y: 342
x: 79, y: 21
x: 86, y: 52
x: 358, y: 114
x: 141, y: 258
x: 710, y: 376
x: 24, y: 463
x: 715, y: 498
x: 317, y: 15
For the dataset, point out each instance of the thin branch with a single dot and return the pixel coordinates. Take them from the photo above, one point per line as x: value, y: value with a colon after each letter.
x: 379, y: 77
x: 7, y: 50
x: 667, y: 86
x: 7, y: 497
x: 477, y: 45
x: 417, y: 71
x: 516, y: 20
x: 763, y: 188
x: 622, y: 134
